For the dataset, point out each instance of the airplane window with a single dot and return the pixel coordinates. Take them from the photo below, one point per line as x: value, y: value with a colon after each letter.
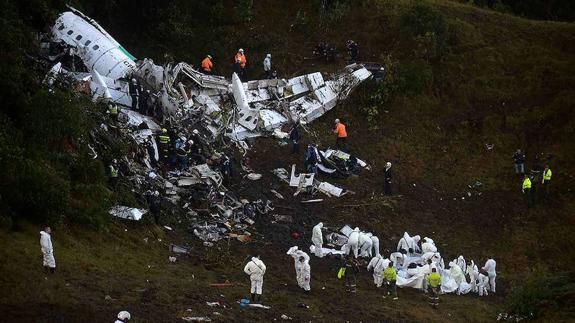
x: 78, y: 37
x: 61, y: 27
x: 87, y: 42
x: 95, y: 47
x: 70, y: 32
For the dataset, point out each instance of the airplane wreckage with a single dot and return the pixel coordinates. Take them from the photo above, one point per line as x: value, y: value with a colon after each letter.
x: 214, y: 110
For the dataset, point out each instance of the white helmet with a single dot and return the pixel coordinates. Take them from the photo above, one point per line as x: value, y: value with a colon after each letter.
x: 241, y: 50
x: 269, y: 55
x: 124, y: 315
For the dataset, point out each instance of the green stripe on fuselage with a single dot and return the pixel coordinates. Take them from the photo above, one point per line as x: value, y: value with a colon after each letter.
x: 127, y: 53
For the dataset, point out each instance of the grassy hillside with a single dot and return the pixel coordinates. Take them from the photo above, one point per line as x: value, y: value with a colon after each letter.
x: 458, y: 77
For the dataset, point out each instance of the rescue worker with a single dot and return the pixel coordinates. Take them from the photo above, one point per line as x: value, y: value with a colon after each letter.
x: 378, y: 264
x: 133, y: 90
x: 526, y: 189
x: 182, y: 151
x: 483, y: 282
x: 302, y: 268
x: 519, y: 162
x: 353, y: 50
x: 164, y: 145
x: 311, y: 159
x: 114, y: 173
x: 48, y: 260
x: 434, y: 282
x: 256, y: 269
x: 546, y: 180
x: 113, y: 110
x: 390, y: 277
x: 341, y: 135
x: 226, y: 167
x: 207, y: 65
x: 294, y: 137
x: 268, y: 66
x: 489, y: 268
x: 317, y: 239
x: 351, y: 270
x: 387, y: 179
x: 240, y: 64
x: 123, y: 316
x: 143, y: 102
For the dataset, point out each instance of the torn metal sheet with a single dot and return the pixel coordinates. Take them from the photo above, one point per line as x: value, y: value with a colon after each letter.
x: 135, y: 119
x: 301, y: 180
x: 330, y: 189
x: 179, y: 249
x: 126, y: 212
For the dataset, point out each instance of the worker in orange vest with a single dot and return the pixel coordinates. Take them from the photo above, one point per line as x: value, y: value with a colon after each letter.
x: 240, y: 63
x: 207, y: 65
x: 339, y: 130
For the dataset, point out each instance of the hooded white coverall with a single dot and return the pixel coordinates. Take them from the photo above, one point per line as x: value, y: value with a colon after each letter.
x: 47, y: 250
x: 365, y: 244
x: 483, y: 283
x: 302, y: 269
x: 461, y: 263
x: 378, y: 263
x: 353, y: 242
x: 490, y: 269
x: 317, y: 239
x: 375, y: 244
x: 256, y: 270
x: 428, y: 245
x: 457, y: 274
x: 398, y: 260
x: 473, y: 272
x: 407, y: 242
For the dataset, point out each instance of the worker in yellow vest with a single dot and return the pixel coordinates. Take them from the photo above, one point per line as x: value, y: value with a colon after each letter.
x: 434, y: 283
x: 390, y: 279
x: 526, y: 189
x: 546, y: 180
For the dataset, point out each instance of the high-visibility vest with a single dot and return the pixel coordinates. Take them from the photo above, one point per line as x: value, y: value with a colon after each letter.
x: 114, y: 110
x: 113, y: 171
x: 526, y: 184
x: 241, y: 59
x: 340, y: 129
x: 207, y: 64
x: 434, y: 279
x: 164, y: 139
x: 547, y: 175
x: 389, y: 274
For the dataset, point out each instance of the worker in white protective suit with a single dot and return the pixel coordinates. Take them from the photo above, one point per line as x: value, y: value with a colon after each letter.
x: 456, y: 274
x: 302, y: 268
x: 482, y: 283
x: 490, y: 269
x: 375, y: 244
x: 378, y: 264
x: 365, y: 244
x: 461, y: 262
x: 398, y: 259
x: 123, y: 316
x: 473, y: 273
x: 428, y: 245
x: 353, y: 242
x: 256, y: 269
x: 48, y: 260
x: 408, y: 244
x: 317, y: 239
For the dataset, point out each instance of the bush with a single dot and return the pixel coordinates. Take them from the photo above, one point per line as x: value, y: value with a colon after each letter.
x: 541, y: 291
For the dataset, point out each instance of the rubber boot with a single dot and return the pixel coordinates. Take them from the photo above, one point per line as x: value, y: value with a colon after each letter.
x: 253, y: 299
